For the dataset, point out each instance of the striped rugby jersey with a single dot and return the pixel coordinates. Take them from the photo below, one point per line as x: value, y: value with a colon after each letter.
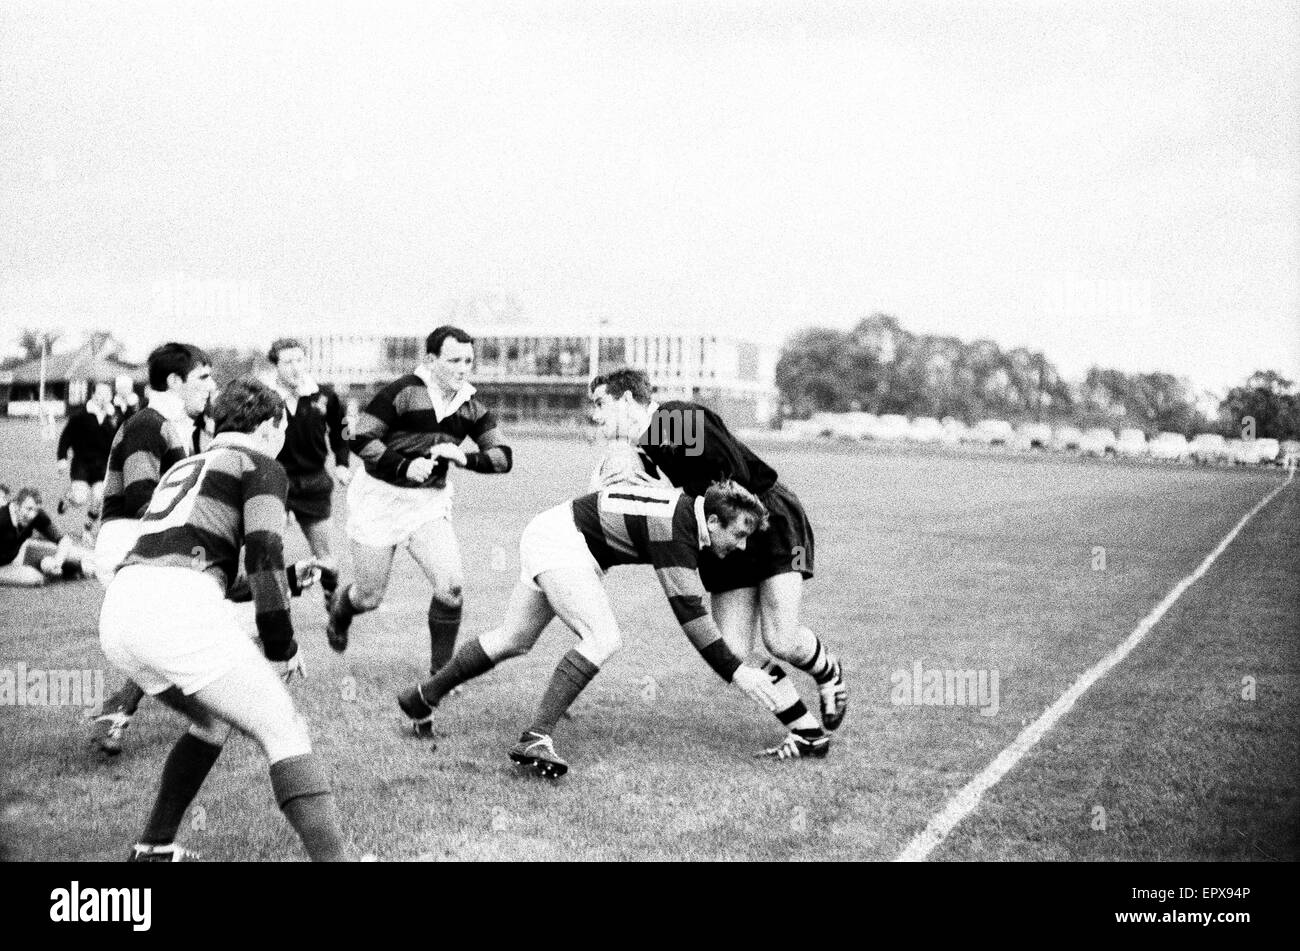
x: 146, y: 446
x: 400, y: 424
x: 663, y: 527
x: 209, y: 506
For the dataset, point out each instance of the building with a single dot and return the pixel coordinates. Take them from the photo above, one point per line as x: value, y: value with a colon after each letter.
x: 526, y: 373
x: 68, y: 381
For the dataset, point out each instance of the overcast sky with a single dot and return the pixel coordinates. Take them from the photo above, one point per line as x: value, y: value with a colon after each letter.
x: 1114, y: 184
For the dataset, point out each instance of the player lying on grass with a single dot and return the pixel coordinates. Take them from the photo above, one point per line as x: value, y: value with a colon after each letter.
x: 167, y: 623
x: 147, y: 445
x: 27, y: 561
x: 409, y: 436
x: 564, y: 552
x: 761, y: 588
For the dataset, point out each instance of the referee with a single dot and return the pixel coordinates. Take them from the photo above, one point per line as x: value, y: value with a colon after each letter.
x: 315, y: 434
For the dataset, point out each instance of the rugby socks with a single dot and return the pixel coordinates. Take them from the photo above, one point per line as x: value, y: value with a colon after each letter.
x: 821, y: 665
x: 467, y: 663
x: 127, y: 700
x: 572, y: 674
x: 444, y: 625
x: 303, y: 792
x: 791, y: 710
x: 187, y: 766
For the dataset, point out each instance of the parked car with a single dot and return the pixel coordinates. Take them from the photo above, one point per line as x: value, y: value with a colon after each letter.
x: 1210, y: 447
x: 1066, y: 437
x: 1033, y: 436
x: 992, y: 432
x: 1098, y: 441
x: 1131, y: 442
x: 925, y: 429
x: 1170, y: 447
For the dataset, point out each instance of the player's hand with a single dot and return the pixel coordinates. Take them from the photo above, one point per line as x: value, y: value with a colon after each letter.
x: 419, y: 469
x: 450, y: 451
x: 287, y: 669
x: 757, y: 684
x: 65, y: 466
x: 306, y: 573
x: 342, y: 475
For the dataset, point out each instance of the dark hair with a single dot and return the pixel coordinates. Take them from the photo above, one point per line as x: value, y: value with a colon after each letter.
x: 244, y: 404
x: 284, y: 343
x: 5, y: 490
x: 28, y: 492
x: 626, y: 380
x: 178, y: 358
x: 433, y: 343
x: 729, y: 500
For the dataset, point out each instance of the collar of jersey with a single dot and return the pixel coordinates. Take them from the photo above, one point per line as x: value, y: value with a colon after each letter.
x: 440, y: 410
x: 238, y: 440
x: 701, y: 522
x: 168, y: 404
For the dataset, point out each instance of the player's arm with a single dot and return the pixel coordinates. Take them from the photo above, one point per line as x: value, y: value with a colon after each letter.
x: 334, y: 425
x: 372, y: 425
x: 45, y: 525
x: 148, y: 455
x: 66, y: 437
x: 300, y: 576
x: 265, y: 487
x: 492, y: 455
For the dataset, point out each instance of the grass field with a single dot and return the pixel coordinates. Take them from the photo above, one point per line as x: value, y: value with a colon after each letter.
x: 987, y: 563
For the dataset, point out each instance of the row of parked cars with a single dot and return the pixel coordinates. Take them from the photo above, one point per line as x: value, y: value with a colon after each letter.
x: 1206, y: 448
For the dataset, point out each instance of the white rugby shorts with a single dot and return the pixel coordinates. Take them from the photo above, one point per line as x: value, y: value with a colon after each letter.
x: 385, y: 516
x: 551, y: 541
x: 113, y: 543
x: 166, y: 626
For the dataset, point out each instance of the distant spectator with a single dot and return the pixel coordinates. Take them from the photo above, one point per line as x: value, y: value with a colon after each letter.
x: 83, y: 451
x: 26, y: 561
x: 125, y: 399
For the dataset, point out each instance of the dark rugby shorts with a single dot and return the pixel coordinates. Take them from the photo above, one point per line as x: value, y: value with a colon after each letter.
x: 785, y: 545
x: 311, y: 496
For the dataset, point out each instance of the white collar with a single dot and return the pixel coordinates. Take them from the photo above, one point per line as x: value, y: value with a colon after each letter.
x: 242, y: 440
x: 99, y: 414
x: 443, y: 410
x: 702, y: 523
x: 170, y: 405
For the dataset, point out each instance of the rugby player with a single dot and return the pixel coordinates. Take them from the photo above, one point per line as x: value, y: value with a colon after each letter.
x: 564, y: 553
x: 148, y: 445
x: 762, y: 587
x: 167, y: 622
x: 27, y: 561
x: 408, y: 437
x: 315, y: 433
x: 83, y: 452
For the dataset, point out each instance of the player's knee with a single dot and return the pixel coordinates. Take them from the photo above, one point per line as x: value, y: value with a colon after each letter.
x: 450, y: 594
x: 364, y: 598
x: 213, y: 731
x: 782, y: 640
x: 289, y: 737
x: 79, y: 493
x: 600, y: 644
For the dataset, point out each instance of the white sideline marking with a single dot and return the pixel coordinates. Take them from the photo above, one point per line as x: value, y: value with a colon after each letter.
x: 965, y: 802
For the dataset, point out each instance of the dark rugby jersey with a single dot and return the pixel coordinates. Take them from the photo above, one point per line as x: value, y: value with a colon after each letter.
x: 12, y: 537
x: 315, y: 430
x: 147, y: 445
x: 400, y: 424
x: 209, y: 506
x: 693, y: 447
x: 89, y: 439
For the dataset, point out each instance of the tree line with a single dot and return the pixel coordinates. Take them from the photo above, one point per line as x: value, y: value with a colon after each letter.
x: 880, y: 367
